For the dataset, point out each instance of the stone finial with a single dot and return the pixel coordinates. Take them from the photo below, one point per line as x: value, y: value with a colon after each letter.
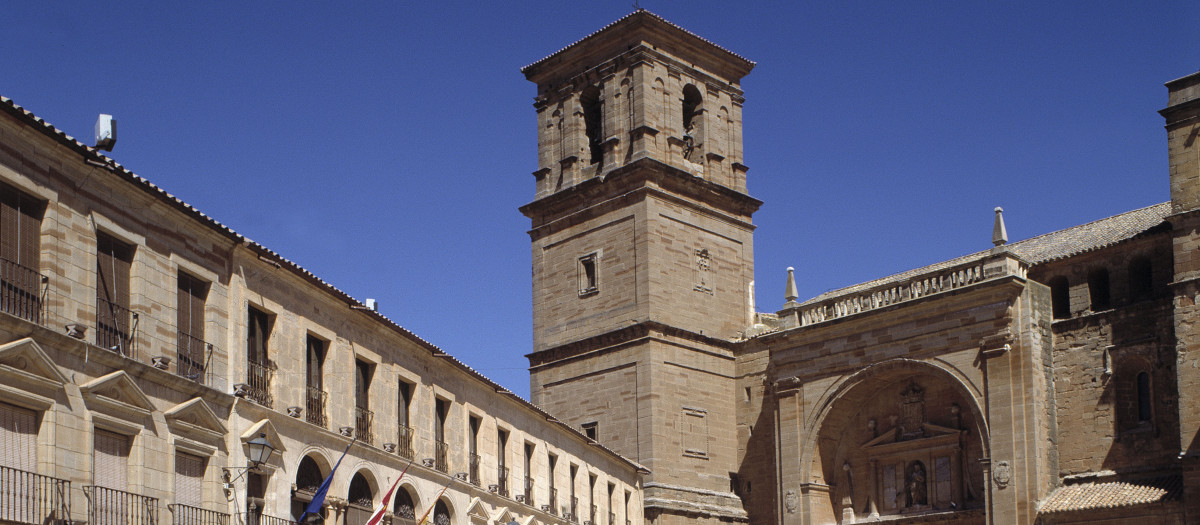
x: 999, y: 233
x: 791, y: 294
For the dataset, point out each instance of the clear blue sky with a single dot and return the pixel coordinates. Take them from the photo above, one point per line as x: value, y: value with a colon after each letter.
x: 386, y: 147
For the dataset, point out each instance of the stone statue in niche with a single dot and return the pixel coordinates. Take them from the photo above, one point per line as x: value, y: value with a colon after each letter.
x: 915, y: 489
x: 912, y: 413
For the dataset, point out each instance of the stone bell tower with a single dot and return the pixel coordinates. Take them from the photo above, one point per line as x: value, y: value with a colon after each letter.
x: 643, y: 254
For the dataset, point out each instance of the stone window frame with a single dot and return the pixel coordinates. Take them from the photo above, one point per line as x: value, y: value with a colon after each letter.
x: 588, y: 273
x: 690, y: 438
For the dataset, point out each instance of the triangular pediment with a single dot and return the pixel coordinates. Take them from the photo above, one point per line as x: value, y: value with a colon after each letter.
x: 930, y: 433
x: 264, y: 426
x: 119, y: 392
x: 503, y: 516
x: 24, y: 362
x: 476, y: 510
x: 194, y: 417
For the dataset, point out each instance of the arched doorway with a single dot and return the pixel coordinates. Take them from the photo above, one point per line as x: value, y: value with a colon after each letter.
x: 359, y: 500
x: 309, y: 476
x: 902, y: 437
x: 441, y: 513
x: 405, y: 508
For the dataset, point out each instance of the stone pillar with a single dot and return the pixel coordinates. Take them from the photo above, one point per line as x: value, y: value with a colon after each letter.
x: 789, y: 416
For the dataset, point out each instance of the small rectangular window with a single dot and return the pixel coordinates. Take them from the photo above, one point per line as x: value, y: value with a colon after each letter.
x: 590, y: 430
x: 589, y: 274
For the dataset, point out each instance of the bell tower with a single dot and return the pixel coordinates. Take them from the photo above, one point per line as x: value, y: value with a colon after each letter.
x: 643, y: 254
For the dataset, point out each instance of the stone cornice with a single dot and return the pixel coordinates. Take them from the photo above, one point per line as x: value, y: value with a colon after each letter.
x: 620, y: 338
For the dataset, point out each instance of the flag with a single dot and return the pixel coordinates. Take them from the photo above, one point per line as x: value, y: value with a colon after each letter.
x: 318, y: 501
x: 435, y: 500
x: 387, y: 498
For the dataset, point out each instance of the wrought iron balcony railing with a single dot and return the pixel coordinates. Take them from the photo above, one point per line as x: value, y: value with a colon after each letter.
x: 192, y: 359
x: 254, y: 516
x: 441, y: 456
x: 314, y: 406
x: 574, y: 509
x: 612, y: 519
x: 189, y: 515
x: 31, y: 498
x: 22, y: 291
x: 404, y: 442
x: 553, y: 501
x: 116, y: 328
x: 362, y: 425
x: 529, y: 491
x: 258, y: 380
x: 502, y: 480
x: 116, y: 507
x: 473, y: 471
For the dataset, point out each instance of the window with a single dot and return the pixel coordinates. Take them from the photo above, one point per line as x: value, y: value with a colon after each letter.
x: 553, y: 491
x: 192, y: 353
x: 363, y: 371
x: 1098, y: 289
x: 314, y: 381
x: 1145, y: 402
x: 593, y: 121
x: 258, y: 366
x: 114, y: 328
x: 20, y: 234
x: 502, y: 462
x: 1141, y: 279
x: 473, y: 450
x: 590, y: 430
x: 110, y: 465
x: 189, y: 478
x: 574, y: 512
x: 691, y: 109
x: 1060, y: 297
x: 589, y: 274
x: 18, y: 438
x: 528, y: 474
x: 441, y: 458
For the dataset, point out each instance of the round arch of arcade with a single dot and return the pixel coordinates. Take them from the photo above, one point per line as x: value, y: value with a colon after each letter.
x: 900, y: 436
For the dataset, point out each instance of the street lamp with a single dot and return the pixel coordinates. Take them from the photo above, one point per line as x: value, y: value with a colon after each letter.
x: 260, y: 452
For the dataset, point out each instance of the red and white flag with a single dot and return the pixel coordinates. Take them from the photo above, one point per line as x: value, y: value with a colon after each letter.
x: 377, y: 516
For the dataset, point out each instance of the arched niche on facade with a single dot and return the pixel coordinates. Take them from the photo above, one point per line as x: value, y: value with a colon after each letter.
x: 443, y: 513
x: 310, y: 472
x: 898, y: 438
x: 405, y: 505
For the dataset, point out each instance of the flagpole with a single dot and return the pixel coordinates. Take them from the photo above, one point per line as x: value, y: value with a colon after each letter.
x: 377, y: 516
x: 314, y: 506
x: 435, y: 501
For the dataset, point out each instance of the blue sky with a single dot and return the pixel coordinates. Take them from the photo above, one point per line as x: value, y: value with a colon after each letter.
x: 387, y: 146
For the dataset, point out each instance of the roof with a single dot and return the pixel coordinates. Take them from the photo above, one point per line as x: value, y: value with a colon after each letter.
x: 1043, y: 248
x: 92, y: 154
x: 640, y: 15
x: 1112, y: 494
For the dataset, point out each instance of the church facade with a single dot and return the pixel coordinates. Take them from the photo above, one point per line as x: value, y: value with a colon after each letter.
x: 1051, y: 380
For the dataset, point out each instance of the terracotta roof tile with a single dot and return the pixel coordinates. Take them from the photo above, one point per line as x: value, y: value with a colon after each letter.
x: 1112, y: 494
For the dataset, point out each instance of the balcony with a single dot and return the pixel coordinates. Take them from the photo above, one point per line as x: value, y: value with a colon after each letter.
x: 574, y: 509
x: 22, y: 291
x: 258, y: 382
x: 31, y: 498
x: 362, y: 425
x: 192, y: 358
x: 116, y: 328
x: 612, y: 519
x: 189, y: 515
x: 502, y: 480
x: 314, y: 406
x: 404, y: 440
x: 441, y: 456
x: 116, y: 507
x: 254, y: 516
x: 473, y: 471
x: 553, y: 501
x: 529, y: 491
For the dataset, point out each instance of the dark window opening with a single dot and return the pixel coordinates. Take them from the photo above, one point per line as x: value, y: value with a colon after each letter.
x: 1060, y: 297
x: 590, y: 430
x: 1144, y: 400
x: 258, y: 366
x: 1141, y: 280
x: 114, y: 320
x: 314, y: 381
x: 593, y: 121
x: 588, y: 274
x: 360, y: 492
x: 363, y: 416
x: 21, y: 284
x: 193, y: 352
x: 404, y: 403
x: 1098, y: 289
x: 691, y: 108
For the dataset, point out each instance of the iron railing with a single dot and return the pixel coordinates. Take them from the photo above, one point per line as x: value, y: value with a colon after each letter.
x: 116, y: 328
x: 403, y: 520
x: 254, y: 516
x: 26, y: 497
x: 473, y: 470
x: 22, y: 291
x: 502, y: 480
x: 553, y: 501
x: 192, y: 359
x: 362, y: 425
x: 441, y: 456
x: 116, y: 507
x: 404, y: 442
x: 574, y: 509
x: 189, y: 515
x: 258, y: 378
x: 592, y: 516
x: 612, y: 519
x: 529, y: 491
x: 357, y: 514
x: 314, y: 406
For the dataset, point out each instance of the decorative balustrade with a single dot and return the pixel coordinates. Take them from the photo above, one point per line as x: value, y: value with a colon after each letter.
x: 404, y: 442
x: 192, y: 359
x: 116, y: 328
x: 502, y: 480
x: 314, y: 406
x: 441, y: 456
x: 255, y: 516
x: 26, y: 497
x: 258, y: 381
x: 362, y: 425
x: 22, y: 291
x: 473, y: 470
x: 189, y: 515
x: 116, y: 507
x: 906, y: 290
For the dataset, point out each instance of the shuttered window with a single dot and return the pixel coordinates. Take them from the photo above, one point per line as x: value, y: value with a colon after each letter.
x: 110, y: 466
x: 256, y: 340
x: 20, y: 226
x: 190, y: 324
x: 18, y: 438
x: 189, y: 478
x: 113, y: 259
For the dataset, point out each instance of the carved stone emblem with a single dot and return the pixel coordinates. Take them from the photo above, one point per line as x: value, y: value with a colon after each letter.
x: 1002, y: 474
x: 791, y: 501
x: 912, y: 412
x: 295, y: 411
